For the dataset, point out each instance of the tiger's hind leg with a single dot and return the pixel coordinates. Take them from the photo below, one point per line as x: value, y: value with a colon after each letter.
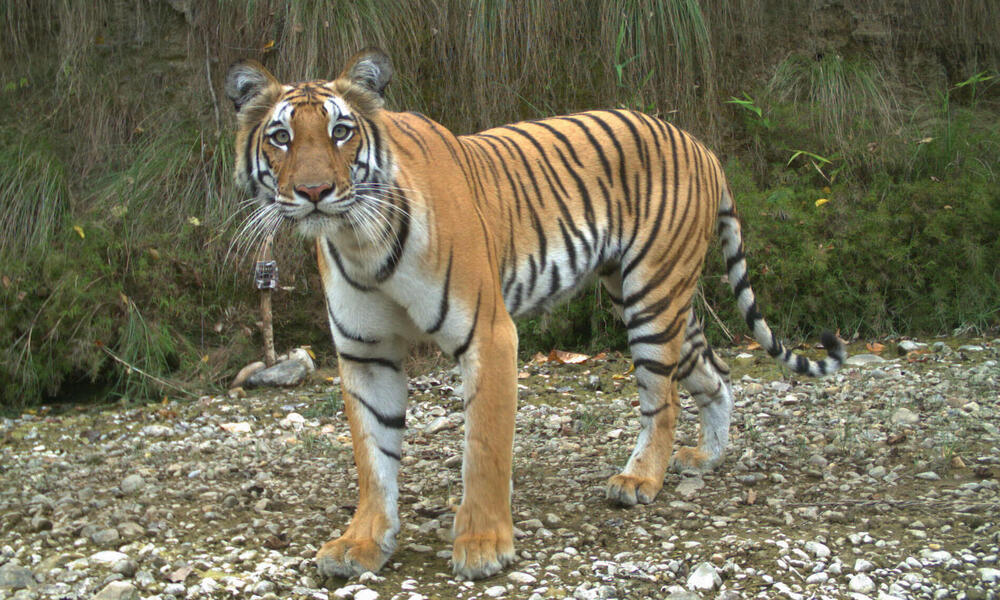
x: 655, y: 336
x: 706, y: 376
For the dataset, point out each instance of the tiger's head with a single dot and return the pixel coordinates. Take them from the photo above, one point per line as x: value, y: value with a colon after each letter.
x: 310, y: 151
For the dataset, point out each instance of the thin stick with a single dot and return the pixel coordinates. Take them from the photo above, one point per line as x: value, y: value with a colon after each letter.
x: 718, y: 321
x: 132, y: 367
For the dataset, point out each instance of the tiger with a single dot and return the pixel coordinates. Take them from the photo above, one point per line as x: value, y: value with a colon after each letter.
x: 422, y: 235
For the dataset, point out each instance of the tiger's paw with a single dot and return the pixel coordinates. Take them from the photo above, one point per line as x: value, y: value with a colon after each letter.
x: 689, y: 459
x: 629, y: 490
x: 480, y: 555
x: 347, y: 557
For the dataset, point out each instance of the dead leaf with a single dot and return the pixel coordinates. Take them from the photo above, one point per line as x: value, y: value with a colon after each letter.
x: 180, y: 574
x: 79, y: 231
x: 523, y: 375
x: 539, y: 358
x: 568, y: 358
x: 276, y: 542
x: 896, y: 438
x: 751, y: 497
x: 6, y: 281
x: 875, y: 347
x: 753, y: 345
x: 957, y: 462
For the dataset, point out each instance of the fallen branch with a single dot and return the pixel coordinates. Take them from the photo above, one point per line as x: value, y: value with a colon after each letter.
x: 150, y: 376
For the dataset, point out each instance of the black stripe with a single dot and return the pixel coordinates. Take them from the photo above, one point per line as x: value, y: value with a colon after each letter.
x: 741, y: 285
x: 753, y: 315
x: 654, y: 366
x: 398, y: 245
x: 340, y: 266
x: 468, y: 339
x: 655, y: 411
x: 408, y: 131
x: 735, y: 258
x: 383, y: 419
x: 343, y: 332
x: 445, y: 293
x: 383, y: 362
x: 390, y: 454
x: 598, y: 148
x: 662, y: 337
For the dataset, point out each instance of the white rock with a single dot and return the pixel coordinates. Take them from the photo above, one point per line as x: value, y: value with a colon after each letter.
x: 817, y: 549
x: 704, y: 577
x: 348, y: 591
x: 521, y: 578
x: 495, y: 591
x: 302, y: 355
x: 156, y: 430
x: 863, y: 566
x: 365, y: 594
x: 109, y: 557
x: 989, y: 575
x: 861, y: 584
x: 117, y: 590
x: 859, y: 360
x: 816, y: 578
x: 904, y: 416
x: 439, y: 424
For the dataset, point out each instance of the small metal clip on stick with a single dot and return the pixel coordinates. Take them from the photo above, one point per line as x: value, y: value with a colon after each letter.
x: 266, y: 278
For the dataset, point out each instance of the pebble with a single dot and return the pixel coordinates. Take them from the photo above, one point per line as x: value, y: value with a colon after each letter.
x: 904, y: 416
x: 863, y: 566
x: 16, y: 577
x: 182, y: 494
x: 705, y: 577
x: 521, y: 578
x: 109, y: 557
x: 817, y: 549
x: 132, y: 484
x: 861, y: 584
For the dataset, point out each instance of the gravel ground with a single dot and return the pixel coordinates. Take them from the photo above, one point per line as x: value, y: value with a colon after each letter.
x: 878, y: 482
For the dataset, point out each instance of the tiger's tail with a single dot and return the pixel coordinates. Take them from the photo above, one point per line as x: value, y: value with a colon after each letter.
x: 736, y: 268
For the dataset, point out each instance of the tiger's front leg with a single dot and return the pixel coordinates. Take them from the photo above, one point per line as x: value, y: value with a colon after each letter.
x: 484, y: 540
x: 374, y: 391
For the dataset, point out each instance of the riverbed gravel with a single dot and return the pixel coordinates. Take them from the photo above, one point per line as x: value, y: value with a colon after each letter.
x: 880, y: 482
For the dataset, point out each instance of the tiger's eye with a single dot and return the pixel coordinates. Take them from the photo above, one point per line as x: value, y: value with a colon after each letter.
x: 340, y: 132
x: 281, y: 137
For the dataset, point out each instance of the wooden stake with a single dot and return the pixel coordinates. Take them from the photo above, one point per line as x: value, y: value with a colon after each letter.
x: 267, y: 323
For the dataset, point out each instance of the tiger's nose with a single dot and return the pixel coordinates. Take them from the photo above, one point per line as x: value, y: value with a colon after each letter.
x: 315, y: 193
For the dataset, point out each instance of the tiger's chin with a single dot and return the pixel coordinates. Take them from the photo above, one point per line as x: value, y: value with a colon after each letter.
x: 317, y: 224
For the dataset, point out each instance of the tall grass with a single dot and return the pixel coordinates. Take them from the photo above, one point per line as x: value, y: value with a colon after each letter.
x: 847, y: 96
x: 33, y: 196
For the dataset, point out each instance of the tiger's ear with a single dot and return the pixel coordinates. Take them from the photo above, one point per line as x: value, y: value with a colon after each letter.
x: 250, y: 85
x: 370, y: 68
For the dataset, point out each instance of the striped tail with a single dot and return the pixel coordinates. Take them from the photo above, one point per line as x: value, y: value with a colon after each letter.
x: 736, y: 268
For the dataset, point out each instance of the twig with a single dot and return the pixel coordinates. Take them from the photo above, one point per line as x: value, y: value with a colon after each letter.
x: 718, y: 321
x: 132, y: 367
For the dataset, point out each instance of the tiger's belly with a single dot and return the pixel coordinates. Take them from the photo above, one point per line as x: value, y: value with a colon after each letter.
x: 536, y: 286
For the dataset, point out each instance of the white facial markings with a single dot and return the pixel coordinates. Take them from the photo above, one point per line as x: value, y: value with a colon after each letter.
x: 340, y: 117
